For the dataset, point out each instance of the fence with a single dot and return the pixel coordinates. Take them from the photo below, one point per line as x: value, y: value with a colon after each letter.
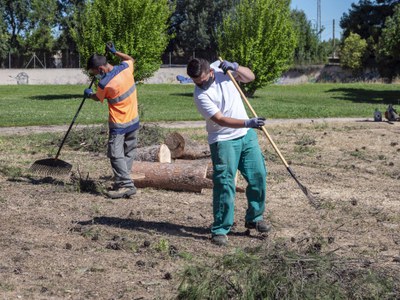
x: 71, y: 59
x: 41, y: 60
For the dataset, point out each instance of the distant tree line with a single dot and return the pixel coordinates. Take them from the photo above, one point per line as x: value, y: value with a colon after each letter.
x: 149, y: 29
x: 371, y: 37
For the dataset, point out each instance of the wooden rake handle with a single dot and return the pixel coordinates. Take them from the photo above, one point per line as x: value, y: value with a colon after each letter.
x: 255, y: 115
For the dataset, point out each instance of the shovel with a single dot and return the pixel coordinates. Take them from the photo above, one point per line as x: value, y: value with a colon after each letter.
x: 55, y: 166
x: 306, y: 192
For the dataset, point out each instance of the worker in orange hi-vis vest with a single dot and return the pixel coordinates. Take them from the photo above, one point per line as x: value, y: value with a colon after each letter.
x: 117, y: 85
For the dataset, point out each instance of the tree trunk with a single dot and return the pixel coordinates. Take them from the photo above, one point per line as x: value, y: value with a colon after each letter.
x: 175, y: 143
x: 184, y: 148
x: 157, y: 153
x: 185, y: 175
x: 177, y: 177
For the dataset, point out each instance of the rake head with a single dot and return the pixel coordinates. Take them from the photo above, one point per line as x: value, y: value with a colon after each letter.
x: 51, y: 166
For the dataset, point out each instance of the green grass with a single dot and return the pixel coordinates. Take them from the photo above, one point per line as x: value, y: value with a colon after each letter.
x: 24, y: 105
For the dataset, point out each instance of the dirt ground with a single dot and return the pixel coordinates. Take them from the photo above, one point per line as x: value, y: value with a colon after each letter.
x: 57, y: 243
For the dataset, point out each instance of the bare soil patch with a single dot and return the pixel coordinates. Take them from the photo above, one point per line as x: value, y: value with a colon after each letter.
x: 59, y: 243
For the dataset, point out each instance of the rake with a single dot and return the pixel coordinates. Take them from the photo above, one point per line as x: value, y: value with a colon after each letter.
x: 56, y: 166
x: 306, y: 192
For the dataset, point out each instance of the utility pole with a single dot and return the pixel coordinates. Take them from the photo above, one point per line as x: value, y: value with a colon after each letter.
x: 319, y: 18
x: 334, y: 42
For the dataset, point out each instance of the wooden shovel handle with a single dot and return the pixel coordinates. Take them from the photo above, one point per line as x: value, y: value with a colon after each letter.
x: 255, y: 115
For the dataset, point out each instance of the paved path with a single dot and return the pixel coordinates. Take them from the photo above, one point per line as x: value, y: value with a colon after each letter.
x: 179, y: 124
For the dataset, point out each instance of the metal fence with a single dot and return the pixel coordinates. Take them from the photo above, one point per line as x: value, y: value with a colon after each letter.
x: 41, y: 60
x: 71, y: 59
x: 171, y: 59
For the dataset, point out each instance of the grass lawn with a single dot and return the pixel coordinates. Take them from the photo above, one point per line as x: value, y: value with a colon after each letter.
x: 24, y: 105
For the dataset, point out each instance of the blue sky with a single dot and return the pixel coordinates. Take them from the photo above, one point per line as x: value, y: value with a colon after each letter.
x: 330, y: 9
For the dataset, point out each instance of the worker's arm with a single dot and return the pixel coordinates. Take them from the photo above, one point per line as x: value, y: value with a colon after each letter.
x: 241, y: 73
x: 111, y: 48
x: 223, y: 121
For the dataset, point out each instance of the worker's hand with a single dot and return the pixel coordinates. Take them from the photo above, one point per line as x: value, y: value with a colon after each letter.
x: 226, y: 65
x: 110, y: 47
x: 254, y: 122
x: 87, y: 93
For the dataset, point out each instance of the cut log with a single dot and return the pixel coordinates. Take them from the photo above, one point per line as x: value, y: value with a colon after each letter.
x: 195, y: 152
x: 184, y: 148
x: 175, y: 143
x: 177, y: 177
x: 190, y: 177
x: 157, y: 153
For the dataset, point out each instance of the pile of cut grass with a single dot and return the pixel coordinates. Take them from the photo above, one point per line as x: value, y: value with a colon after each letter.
x: 276, y: 272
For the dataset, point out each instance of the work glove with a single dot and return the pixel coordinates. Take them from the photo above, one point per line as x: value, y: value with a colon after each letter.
x: 87, y: 93
x: 254, y: 122
x: 226, y: 65
x: 110, y: 47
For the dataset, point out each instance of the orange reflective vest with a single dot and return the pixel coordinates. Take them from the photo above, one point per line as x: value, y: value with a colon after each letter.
x: 119, y: 88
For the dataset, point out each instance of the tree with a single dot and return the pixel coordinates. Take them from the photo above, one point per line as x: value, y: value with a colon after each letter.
x: 4, y: 36
x: 259, y: 34
x: 137, y: 27
x: 307, y: 39
x: 367, y: 19
x: 389, y: 44
x: 353, y: 52
x: 66, y: 21
x: 194, y: 23
x: 15, y: 16
x: 38, y: 36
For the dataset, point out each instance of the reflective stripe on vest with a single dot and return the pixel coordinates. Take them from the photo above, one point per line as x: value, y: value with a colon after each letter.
x: 123, y: 125
x: 123, y: 96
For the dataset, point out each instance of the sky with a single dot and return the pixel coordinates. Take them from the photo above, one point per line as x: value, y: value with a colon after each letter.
x: 330, y: 10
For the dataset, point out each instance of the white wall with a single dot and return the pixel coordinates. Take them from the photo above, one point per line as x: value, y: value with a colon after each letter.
x: 76, y: 76
x: 43, y: 76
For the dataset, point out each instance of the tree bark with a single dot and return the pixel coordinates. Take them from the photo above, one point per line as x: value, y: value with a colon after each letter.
x: 177, y: 177
x: 175, y: 143
x: 184, y: 148
x: 185, y: 175
x: 157, y: 153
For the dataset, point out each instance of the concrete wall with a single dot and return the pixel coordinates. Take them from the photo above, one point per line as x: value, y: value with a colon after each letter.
x: 42, y: 76
x: 74, y: 76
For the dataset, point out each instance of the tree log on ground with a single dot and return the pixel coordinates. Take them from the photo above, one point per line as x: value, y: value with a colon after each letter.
x: 156, y: 153
x: 185, y: 148
x: 175, y: 143
x: 177, y: 177
x: 186, y: 175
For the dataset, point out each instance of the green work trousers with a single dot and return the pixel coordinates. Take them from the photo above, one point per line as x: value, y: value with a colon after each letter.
x: 243, y: 154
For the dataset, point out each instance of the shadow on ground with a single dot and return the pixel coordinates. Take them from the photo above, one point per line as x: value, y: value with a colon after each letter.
x: 200, y: 233
x: 367, y: 96
x: 56, y: 97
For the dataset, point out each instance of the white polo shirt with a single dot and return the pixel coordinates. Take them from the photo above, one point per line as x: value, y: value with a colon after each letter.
x: 221, y: 96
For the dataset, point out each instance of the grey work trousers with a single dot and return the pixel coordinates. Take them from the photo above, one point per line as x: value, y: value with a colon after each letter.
x: 121, y: 151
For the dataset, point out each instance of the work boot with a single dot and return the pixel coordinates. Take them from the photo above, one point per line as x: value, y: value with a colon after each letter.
x: 261, y: 226
x: 122, y: 192
x: 219, y: 239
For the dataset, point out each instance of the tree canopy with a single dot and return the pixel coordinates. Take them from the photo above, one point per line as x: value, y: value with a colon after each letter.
x: 369, y: 19
x: 353, y: 52
x: 137, y: 27
x: 389, y: 43
x: 194, y: 23
x: 306, y: 51
x: 259, y: 34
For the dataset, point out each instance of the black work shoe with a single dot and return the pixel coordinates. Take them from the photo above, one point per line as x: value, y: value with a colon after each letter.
x: 260, y: 226
x: 219, y: 239
x: 124, y: 192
